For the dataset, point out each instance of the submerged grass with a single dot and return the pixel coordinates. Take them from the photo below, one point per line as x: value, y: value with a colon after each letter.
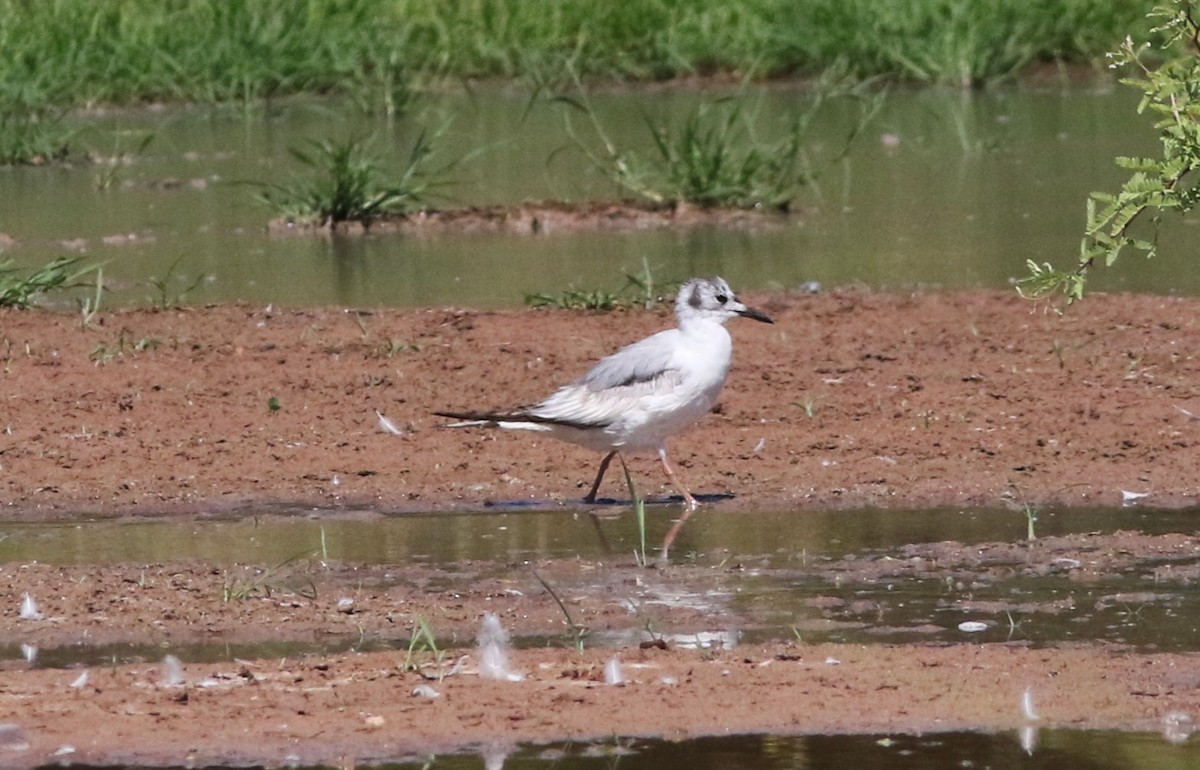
x: 83, y: 52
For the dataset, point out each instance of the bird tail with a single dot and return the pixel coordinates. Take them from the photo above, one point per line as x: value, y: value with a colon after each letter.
x: 515, y: 420
x: 471, y: 419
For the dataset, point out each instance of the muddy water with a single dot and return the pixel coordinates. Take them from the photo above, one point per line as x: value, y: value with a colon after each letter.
x: 1033, y: 749
x: 839, y: 576
x: 1030, y: 749
x: 772, y: 539
x: 945, y: 189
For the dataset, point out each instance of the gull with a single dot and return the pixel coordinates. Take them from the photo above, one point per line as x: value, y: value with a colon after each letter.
x: 646, y: 392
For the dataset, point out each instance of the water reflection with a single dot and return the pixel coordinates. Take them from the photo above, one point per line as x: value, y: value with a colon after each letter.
x: 1075, y: 749
x: 831, y: 576
x: 266, y: 535
x: 947, y: 189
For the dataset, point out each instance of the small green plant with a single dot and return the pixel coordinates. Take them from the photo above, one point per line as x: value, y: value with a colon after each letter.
x: 1031, y: 517
x: 18, y: 291
x: 420, y: 642
x: 638, y: 291
x: 639, y: 512
x: 90, y: 306
x: 111, y: 167
x: 392, y: 347
x: 578, y: 632
x: 273, y: 404
x: 579, y: 299
x: 102, y: 353
x: 347, y: 184
x: 1156, y: 186
x: 710, y: 160
x: 265, y: 582
x: 168, y: 296
x: 714, y: 156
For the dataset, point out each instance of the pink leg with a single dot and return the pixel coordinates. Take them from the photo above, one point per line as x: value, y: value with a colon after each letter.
x: 689, y: 506
x: 675, y: 482
x: 591, y: 495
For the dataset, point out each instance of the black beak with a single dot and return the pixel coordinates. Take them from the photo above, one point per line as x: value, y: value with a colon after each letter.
x: 757, y: 315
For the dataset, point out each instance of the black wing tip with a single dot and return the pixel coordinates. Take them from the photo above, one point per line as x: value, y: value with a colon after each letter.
x: 479, y: 416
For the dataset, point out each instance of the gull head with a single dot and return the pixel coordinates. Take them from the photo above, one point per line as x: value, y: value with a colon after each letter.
x: 712, y: 299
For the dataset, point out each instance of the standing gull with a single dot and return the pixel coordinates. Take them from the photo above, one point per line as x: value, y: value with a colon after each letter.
x: 646, y: 392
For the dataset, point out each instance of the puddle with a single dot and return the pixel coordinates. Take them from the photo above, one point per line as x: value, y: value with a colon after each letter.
x: 1032, y: 749
x: 1039, y: 749
x: 1126, y: 576
x: 272, y: 536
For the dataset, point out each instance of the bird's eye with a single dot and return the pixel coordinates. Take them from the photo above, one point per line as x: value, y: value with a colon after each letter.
x: 721, y: 298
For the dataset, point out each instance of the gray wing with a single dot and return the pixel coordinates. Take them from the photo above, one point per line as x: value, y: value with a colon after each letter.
x: 643, y: 361
x: 605, y: 394
x: 579, y: 406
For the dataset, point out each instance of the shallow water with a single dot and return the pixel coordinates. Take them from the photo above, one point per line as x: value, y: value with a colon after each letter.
x: 965, y: 189
x: 1033, y: 749
x: 1075, y: 749
x: 760, y: 577
x: 439, y: 540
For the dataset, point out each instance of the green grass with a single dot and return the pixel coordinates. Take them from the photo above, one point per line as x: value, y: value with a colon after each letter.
x: 638, y: 291
x: 69, y: 53
x: 81, y: 52
x: 347, y: 183
x: 31, y: 138
x: 18, y: 290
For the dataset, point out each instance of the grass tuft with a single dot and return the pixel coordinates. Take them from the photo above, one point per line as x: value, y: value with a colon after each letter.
x: 715, y: 157
x: 21, y: 291
x: 347, y: 184
x: 638, y: 291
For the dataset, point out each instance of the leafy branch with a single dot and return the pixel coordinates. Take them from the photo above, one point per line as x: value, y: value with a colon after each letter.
x: 1155, y: 185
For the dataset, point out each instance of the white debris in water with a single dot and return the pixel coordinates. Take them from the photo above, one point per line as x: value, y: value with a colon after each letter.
x: 79, y: 682
x: 760, y: 446
x: 425, y: 691
x: 64, y: 750
x: 1186, y: 413
x: 29, y: 608
x: 1027, y: 705
x: 832, y: 662
x: 669, y: 681
x: 172, y: 672
x: 612, y: 671
x: 1028, y: 736
x: 387, y: 425
x: 29, y: 652
x: 494, y: 755
x: 972, y: 626
x: 13, y: 738
x: 1177, y: 726
x: 493, y: 651
x: 1131, y: 497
